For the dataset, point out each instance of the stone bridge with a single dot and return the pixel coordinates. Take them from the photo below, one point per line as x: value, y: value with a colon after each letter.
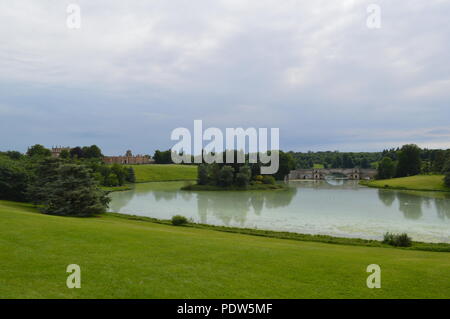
x: 321, y: 173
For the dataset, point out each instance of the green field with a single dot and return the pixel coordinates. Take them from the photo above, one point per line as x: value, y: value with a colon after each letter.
x: 418, y: 182
x: 164, y: 172
x: 121, y: 258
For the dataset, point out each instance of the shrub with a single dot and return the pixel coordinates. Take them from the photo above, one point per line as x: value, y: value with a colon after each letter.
x: 202, y: 175
x: 243, y: 177
x: 268, y: 179
x: 14, y: 179
x: 398, y: 240
x: 447, y: 179
x: 226, y: 176
x: 74, y: 192
x: 179, y: 220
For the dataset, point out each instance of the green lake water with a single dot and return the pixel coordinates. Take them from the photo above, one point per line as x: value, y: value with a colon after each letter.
x: 333, y: 207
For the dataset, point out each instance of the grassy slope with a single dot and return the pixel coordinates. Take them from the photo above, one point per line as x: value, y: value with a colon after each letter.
x: 160, y: 172
x: 132, y: 259
x: 418, y: 182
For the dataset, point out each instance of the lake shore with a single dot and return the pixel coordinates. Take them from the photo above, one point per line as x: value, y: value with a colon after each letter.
x: 433, y: 183
x: 416, y: 245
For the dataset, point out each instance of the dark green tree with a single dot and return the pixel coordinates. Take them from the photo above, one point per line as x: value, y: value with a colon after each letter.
x: 386, y: 168
x: 226, y: 176
x: 65, y: 154
x: 74, y: 193
x: 131, y: 177
x: 76, y: 152
x: 287, y: 163
x: 44, y: 172
x: 14, y: 178
x: 92, y: 151
x: 244, y: 176
x: 409, y: 162
x: 202, y: 174
x: 38, y: 150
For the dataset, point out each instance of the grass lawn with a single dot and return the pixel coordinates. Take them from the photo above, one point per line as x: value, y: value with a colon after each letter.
x: 318, y: 166
x: 122, y: 258
x: 164, y: 172
x: 418, y: 182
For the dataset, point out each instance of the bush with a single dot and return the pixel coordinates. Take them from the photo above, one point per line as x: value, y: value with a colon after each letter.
x: 14, y: 179
x: 447, y: 179
x: 398, y: 240
x: 202, y: 175
x: 226, y: 176
x: 73, y: 192
x: 268, y: 179
x: 179, y: 220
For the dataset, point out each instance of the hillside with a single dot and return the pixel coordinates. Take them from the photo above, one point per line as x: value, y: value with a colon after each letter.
x: 121, y: 258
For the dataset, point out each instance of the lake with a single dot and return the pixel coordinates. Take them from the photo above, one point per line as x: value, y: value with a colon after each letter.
x: 329, y: 207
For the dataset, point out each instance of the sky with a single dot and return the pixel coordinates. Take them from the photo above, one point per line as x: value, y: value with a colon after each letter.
x: 136, y: 70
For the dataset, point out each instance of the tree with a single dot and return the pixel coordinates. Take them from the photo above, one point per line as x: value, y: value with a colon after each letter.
x: 92, y: 151
x: 386, y: 168
x: 409, y: 162
x: 202, y: 174
x: 65, y: 154
x: 15, y: 155
x: 337, y: 162
x: 226, y: 176
x: 163, y: 157
x: 446, y: 170
x: 347, y: 161
x: 131, y: 177
x: 244, y: 176
x: 76, y: 152
x: 74, y: 193
x: 44, y: 172
x: 14, y: 179
x: 439, y: 161
x: 38, y: 150
x: 287, y: 163
x: 364, y: 163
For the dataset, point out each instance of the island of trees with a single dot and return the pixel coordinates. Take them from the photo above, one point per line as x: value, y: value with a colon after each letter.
x: 241, y: 176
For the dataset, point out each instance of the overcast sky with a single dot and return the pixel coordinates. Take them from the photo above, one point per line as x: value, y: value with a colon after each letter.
x: 136, y: 70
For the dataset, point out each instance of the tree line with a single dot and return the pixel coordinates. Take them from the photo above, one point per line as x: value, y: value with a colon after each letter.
x: 412, y: 160
x: 64, y: 185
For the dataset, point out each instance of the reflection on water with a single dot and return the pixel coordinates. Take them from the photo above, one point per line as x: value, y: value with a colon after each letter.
x: 335, y: 207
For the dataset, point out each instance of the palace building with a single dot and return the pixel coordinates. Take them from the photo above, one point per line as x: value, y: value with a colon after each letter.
x: 128, y: 158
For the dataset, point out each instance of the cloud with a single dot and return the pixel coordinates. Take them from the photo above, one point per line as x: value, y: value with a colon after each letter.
x: 136, y: 70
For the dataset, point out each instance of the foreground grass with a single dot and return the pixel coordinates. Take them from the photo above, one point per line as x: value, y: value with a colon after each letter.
x: 164, y: 172
x: 442, y: 247
x: 418, y: 182
x: 122, y: 258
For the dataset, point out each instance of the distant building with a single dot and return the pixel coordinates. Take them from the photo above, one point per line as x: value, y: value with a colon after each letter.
x: 56, y: 151
x: 128, y: 158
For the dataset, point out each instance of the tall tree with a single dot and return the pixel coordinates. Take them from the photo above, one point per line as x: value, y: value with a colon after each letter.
x: 409, y: 162
x: 386, y: 168
x: 38, y: 150
x: 286, y: 164
x: 74, y: 193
